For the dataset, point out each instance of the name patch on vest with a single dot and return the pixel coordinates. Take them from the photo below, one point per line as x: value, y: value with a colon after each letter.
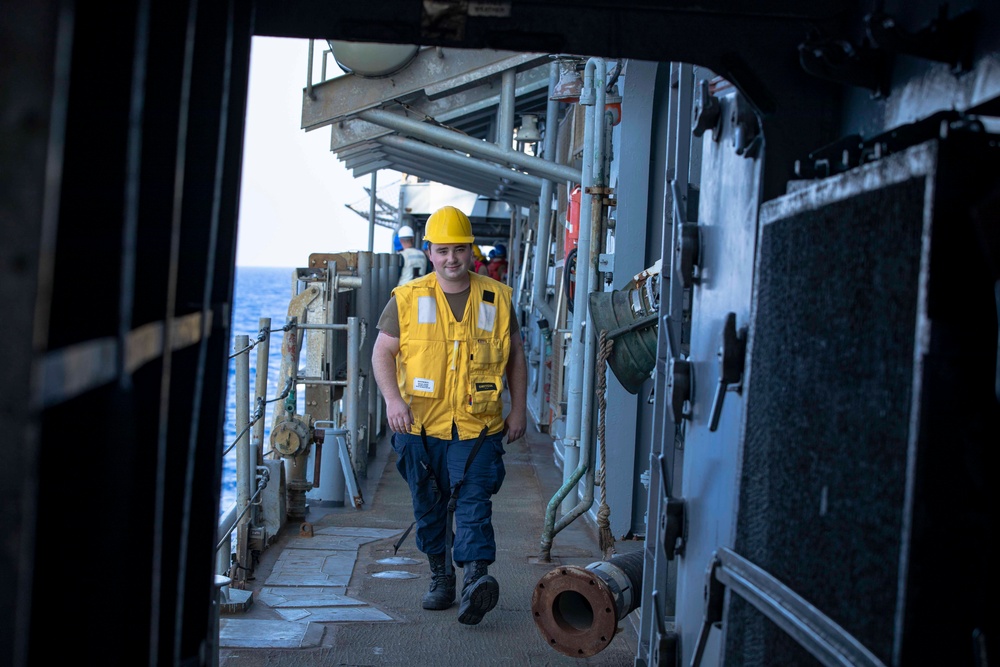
x: 486, y: 386
x: 487, y: 316
x: 423, y: 384
x: 426, y: 310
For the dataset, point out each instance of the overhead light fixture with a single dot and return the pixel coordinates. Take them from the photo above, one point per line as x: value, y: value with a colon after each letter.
x: 371, y: 59
x: 528, y: 132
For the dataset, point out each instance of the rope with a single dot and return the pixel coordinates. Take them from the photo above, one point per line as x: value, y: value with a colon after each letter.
x: 606, y: 540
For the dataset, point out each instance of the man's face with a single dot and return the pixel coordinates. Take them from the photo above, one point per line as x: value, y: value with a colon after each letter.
x: 451, y: 260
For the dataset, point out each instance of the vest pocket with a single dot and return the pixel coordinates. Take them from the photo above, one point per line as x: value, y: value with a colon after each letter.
x: 485, y: 393
x: 487, y: 353
x: 426, y: 364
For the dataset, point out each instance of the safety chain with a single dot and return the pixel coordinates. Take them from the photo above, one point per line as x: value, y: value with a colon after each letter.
x: 606, y: 540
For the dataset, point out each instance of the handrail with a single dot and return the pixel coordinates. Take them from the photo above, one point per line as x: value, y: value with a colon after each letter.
x: 248, y: 451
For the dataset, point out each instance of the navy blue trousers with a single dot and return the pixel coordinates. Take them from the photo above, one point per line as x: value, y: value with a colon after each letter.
x: 432, y: 474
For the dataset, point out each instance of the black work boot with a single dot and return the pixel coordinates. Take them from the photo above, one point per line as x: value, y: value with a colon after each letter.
x: 442, y: 591
x: 480, y: 593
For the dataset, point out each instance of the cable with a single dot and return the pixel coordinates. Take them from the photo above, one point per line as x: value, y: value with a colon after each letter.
x: 569, y: 269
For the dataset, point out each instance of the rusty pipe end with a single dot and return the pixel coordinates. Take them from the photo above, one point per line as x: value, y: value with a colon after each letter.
x: 575, y: 611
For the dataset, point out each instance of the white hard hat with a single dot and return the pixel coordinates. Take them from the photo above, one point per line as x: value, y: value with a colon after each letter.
x: 405, y: 232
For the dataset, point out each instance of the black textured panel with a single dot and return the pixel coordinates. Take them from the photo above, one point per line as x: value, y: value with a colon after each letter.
x: 828, y: 412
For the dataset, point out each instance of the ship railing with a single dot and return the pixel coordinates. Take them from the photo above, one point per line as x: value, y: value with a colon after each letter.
x: 247, y: 443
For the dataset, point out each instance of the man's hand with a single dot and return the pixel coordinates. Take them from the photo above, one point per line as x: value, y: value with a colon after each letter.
x: 398, y: 415
x: 515, y: 424
x: 397, y: 411
x: 517, y: 383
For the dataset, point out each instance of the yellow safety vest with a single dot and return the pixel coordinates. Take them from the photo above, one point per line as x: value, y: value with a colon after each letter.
x: 452, y: 371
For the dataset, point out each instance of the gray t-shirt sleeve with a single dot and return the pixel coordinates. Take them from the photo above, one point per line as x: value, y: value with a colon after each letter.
x: 388, y: 321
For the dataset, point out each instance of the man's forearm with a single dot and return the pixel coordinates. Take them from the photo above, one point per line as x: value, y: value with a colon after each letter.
x: 384, y: 370
x: 517, y: 378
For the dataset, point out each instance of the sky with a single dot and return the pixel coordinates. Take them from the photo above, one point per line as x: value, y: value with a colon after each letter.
x: 294, y: 189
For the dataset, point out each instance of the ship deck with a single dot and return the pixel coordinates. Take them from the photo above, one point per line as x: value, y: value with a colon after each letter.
x: 342, y: 597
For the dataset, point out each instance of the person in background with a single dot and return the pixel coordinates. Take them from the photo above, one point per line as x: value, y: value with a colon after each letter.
x: 479, y: 265
x: 414, y: 259
x: 445, y: 343
x: 498, y: 263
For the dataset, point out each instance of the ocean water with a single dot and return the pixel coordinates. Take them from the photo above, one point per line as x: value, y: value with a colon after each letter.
x: 259, y: 292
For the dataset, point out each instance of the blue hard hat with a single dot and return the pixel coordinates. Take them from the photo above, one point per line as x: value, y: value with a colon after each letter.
x: 500, y: 249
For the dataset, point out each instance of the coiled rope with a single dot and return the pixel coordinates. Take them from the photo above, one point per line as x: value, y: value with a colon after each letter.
x: 606, y: 541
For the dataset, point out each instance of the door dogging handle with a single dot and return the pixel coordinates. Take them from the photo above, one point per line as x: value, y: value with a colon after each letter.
x: 732, y: 356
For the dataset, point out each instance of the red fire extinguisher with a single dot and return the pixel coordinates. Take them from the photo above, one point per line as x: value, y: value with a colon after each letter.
x: 572, y: 221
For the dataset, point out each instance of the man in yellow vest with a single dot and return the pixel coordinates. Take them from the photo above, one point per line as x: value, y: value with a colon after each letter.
x: 446, y: 341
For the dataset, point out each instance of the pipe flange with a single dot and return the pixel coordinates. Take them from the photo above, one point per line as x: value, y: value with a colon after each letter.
x: 575, y: 611
x: 290, y: 437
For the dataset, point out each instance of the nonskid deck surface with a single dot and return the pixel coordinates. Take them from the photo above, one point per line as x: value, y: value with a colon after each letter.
x: 343, y: 597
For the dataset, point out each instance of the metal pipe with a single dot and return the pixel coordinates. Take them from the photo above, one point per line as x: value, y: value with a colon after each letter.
x: 578, y: 609
x: 370, y: 401
x: 505, y: 110
x: 549, y: 529
x: 331, y: 339
x: 375, y: 403
x: 359, y: 449
x: 574, y: 404
x: 320, y: 325
x: 395, y: 268
x: 371, y: 211
x: 385, y: 259
x: 523, y: 261
x: 415, y: 128
x: 260, y: 391
x: 224, y: 557
x: 544, y: 223
x: 574, y: 392
x: 352, y: 393
x: 437, y: 164
x: 315, y: 381
x: 309, y: 74
x: 546, y: 312
x: 340, y: 281
x: 462, y: 161
x: 590, y: 347
x: 242, y: 380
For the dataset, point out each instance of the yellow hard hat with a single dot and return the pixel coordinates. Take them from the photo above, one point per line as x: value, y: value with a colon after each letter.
x: 449, y: 225
x: 476, y: 252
